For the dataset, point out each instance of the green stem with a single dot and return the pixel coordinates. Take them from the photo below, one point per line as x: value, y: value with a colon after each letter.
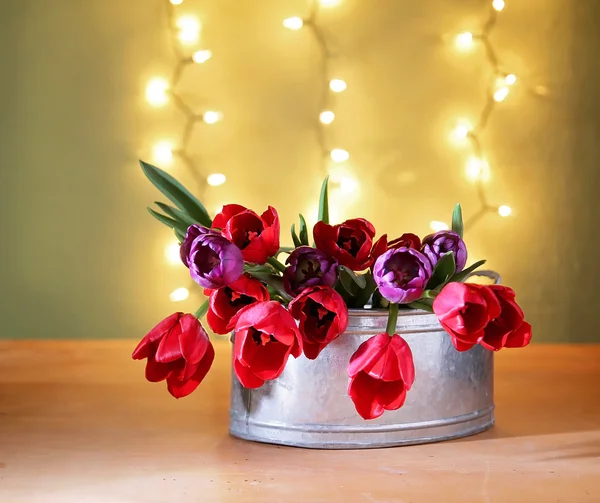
x: 202, y: 310
x: 392, y: 319
x: 276, y: 264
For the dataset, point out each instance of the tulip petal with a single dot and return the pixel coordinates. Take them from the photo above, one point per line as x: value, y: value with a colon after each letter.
x: 246, y: 377
x: 169, y: 349
x: 193, y: 340
x: 228, y: 211
x: 142, y: 349
x: 311, y: 351
x: 461, y: 345
x: 391, y: 395
x: 182, y: 384
x: 368, y: 354
x: 405, y: 360
x: 519, y: 337
x: 156, y: 372
x: 216, y: 324
x: 362, y: 390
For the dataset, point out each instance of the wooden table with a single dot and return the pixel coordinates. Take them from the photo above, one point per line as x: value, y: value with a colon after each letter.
x: 78, y: 423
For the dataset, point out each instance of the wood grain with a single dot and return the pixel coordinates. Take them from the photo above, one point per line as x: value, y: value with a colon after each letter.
x: 78, y: 423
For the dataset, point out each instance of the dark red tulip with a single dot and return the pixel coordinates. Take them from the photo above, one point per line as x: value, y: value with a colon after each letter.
x: 257, y: 236
x: 509, y: 329
x: 323, y: 317
x: 350, y: 243
x: 407, y: 240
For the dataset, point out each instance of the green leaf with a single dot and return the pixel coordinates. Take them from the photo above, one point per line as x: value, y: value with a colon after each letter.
x: 324, y: 202
x: 258, y: 269
x: 178, y: 215
x: 351, y: 282
x: 285, y: 249
x: 303, y: 231
x: 462, y: 275
x: 442, y: 272
x: 275, y: 282
x: 295, y: 238
x: 169, y: 222
x: 457, y: 220
x: 365, y: 294
x: 177, y: 193
x: 180, y: 236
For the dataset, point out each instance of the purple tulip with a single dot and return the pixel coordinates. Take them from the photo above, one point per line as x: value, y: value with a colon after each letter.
x: 435, y: 246
x: 402, y: 274
x: 308, y: 267
x: 214, y: 262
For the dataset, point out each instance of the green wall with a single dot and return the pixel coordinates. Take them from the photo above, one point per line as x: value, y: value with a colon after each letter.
x: 80, y: 257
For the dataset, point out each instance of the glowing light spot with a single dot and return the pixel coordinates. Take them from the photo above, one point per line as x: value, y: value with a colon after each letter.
x: 337, y: 85
x: 477, y: 169
x: 326, y: 116
x: 172, y: 254
x: 504, y: 211
x: 501, y: 94
x: 202, y: 56
x: 330, y: 3
x: 293, y: 23
x: 179, y: 294
x: 339, y: 155
x: 163, y: 152
x: 156, y: 92
x: 498, y: 5
x: 510, y: 79
x: 211, y: 116
x: 437, y: 226
x: 461, y: 131
x: 464, y: 41
x: 189, y: 29
x: 216, y: 179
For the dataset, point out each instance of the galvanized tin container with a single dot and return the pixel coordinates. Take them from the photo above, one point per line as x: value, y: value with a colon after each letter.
x: 308, y: 405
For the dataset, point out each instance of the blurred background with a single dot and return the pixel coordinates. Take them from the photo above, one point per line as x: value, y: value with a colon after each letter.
x: 80, y: 102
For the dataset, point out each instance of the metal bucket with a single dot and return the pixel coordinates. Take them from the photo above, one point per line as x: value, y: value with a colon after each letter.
x: 308, y: 405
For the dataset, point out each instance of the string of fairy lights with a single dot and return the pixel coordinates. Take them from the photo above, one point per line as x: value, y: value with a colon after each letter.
x: 184, y: 31
x: 477, y: 168
x: 185, y: 35
x: 329, y: 84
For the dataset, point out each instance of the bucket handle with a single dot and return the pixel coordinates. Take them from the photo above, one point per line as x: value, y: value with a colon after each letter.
x: 493, y: 275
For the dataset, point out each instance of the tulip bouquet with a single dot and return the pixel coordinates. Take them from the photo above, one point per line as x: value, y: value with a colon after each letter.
x: 280, y: 308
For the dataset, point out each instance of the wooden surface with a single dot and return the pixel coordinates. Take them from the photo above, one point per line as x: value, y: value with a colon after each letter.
x: 78, y: 423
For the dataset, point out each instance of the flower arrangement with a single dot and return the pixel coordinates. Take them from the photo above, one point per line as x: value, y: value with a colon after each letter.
x: 279, y: 309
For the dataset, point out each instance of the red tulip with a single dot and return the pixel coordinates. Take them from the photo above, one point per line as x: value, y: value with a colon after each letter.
x: 350, y: 243
x: 323, y: 316
x: 178, y: 350
x: 508, y: 330
x: 224, y: 303
x: 257, y: 236
x: 407, y: 240
x: 381, y: 372
x: 464, y: 310
x: 488, y: 315
x: 265, y: 336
